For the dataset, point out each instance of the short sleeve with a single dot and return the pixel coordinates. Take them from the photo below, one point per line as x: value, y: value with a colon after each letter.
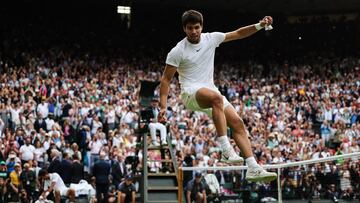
x: 189, y: 186
x: 174, y: 57
x: 133, y: 188
x: 121, y: 187
x: 217, y: 38
x: 203, y: 187
x: 55, y: 178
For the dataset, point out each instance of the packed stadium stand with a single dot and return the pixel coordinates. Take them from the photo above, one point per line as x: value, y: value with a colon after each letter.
x: 70, y: 80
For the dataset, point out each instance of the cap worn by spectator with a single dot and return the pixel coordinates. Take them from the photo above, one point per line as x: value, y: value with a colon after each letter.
x: 2, y: 163
x: 129, y: 177
x: 198, y: 175
x: 12, y: 155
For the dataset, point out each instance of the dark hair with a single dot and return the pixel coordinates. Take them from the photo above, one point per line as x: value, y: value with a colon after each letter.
x: 192, y: 16
x: 65, y: 154
x: 42, y: 172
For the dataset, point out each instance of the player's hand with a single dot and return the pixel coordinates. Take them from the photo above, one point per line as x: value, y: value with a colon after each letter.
x: 162, y: 116
x: 266, y: 21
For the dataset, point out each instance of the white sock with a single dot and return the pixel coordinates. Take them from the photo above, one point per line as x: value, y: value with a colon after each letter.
x: 224, y: 143
x: 251, y: 162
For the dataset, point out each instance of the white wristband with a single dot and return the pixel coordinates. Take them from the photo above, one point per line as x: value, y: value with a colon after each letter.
x: 258, y: 26
x: 268, y: 27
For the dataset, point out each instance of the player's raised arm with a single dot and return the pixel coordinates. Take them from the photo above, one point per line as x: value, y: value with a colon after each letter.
x: 248, y: 30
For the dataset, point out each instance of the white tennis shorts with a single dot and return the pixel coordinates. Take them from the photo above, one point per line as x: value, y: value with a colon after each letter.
x: 188, y: 96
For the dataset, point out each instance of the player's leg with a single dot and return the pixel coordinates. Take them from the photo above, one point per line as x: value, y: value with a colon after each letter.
x: 207, y: 98
x: 239, y: 131
x: 255, y: 172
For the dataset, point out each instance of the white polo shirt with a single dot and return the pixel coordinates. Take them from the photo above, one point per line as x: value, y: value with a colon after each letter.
x: 27, y: 152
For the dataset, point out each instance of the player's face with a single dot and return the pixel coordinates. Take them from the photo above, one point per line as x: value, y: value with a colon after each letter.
x: 193, y: 32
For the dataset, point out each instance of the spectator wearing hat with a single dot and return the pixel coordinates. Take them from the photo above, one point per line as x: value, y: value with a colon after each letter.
x: 127, y: 190
x: 46, y: 142
x: 3, y: 170
x: 195, y: 190
x: 15, y: 175
x: 11, y: 161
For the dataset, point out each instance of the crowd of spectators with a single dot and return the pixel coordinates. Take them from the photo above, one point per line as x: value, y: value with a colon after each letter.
x: 293, y: 114
x: 58, y: 111
x: 75, y: 112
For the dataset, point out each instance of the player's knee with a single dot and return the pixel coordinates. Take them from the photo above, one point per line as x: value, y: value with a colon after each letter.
x: 123, y: 195
x: 240, y: 126
x: 217, y: 101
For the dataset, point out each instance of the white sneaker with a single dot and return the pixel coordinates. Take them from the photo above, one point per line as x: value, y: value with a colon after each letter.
x: 258, y: 174
x: 154, y: 144
x: 164, y: 143
x: 230, y: 156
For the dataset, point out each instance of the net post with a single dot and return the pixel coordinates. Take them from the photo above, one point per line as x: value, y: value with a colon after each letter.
x: 180, y: 184
x: 279, y: 185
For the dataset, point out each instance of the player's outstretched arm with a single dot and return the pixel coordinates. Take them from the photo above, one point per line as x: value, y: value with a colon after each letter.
x: 164, y: 90
x: 248, y: 30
